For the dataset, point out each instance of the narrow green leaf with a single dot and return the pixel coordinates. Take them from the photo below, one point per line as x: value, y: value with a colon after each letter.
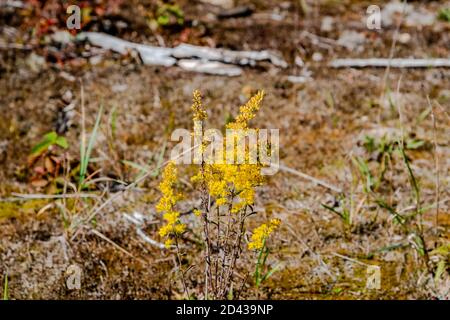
x: 87, y: 153
x: 5, y: 288
x: 414, y: 144
x: 442, y: 265
x: 49, y: 139
x: 271, y: 272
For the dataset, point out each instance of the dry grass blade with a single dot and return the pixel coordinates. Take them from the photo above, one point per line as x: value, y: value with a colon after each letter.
x: 101, y: 235
x: 310, y: 178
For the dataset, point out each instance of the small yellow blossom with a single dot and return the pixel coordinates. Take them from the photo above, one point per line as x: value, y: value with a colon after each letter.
x: 169, y: 243
x: 197, y: 212
x: 179, y: 228
x: 165, y: 230
x: 171, y: 217
x: 261, y: 233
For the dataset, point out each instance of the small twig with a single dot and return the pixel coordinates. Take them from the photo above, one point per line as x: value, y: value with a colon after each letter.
x: 436, y: 162
x: 310, y: 178
x: 180, y: 269
x: 17, y: 46
x: 23, y: 196
x: 149, y: 240
x: 16, y: 4
x: 390, y: 63
x: 101, y: 235
x: 350, y: 259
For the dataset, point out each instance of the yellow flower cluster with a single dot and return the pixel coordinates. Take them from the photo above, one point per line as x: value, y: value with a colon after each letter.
x: 261, y: 233
x: 225, y: 180
x: 222, y: 179
x: 173, y: 226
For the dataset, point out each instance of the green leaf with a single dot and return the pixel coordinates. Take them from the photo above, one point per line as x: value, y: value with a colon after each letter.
x: 86, y: 153
x: 369, y: 143
x: 412, y: 178
x: 414, y: 144
x: 62, y: 142
x: 419, y: 245
x: 163, y: 20
x: 49, y: 139
x: 337, y: 290
x: 442, y: 265
x: 444, y: 14
x: 333, y: 210
x: 5, y: 288
x: 443, y: 250
x: 364, y: 170
x: 397, y: 217
x: 230, y: 293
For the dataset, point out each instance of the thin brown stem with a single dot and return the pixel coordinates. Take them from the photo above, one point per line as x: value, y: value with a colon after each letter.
x: 436, y: 163
x: 180, y: 269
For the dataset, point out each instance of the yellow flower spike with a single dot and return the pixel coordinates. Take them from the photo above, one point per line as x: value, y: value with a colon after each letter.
x: 262, y: 233
x: 247, y: 112
x: 199, y: 113
x: 173, y: 226
x: 197, y: 212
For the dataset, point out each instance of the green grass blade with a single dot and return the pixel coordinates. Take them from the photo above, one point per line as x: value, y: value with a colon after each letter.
x: 5, y: 289
x: 86, y: 154
x: 271, y: 272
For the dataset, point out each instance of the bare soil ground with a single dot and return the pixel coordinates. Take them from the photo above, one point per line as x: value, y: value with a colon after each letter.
x: 322, y: 125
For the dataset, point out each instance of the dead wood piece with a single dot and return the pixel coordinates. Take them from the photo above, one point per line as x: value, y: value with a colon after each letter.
x: 393, y: 63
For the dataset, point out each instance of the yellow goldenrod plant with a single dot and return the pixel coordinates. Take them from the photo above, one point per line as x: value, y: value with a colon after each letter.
x: 227, y: 190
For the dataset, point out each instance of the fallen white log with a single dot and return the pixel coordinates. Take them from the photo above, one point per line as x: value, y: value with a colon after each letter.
x: 393, y: 63
x: 193, y: 58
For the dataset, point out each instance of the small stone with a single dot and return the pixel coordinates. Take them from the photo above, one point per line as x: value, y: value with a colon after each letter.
x: 317, y: 57
x: 226, y: 4
x: 297, y: 79
x: 67, y: 76
x: 327, y: 24
x: 299, y: 62
x: 95, y: 60
x: 352, y: 40
x: 67, y: 96
x: 404, y: 38
x: 62, y: 37
x: 35, y: 63
x: 119, y: 87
